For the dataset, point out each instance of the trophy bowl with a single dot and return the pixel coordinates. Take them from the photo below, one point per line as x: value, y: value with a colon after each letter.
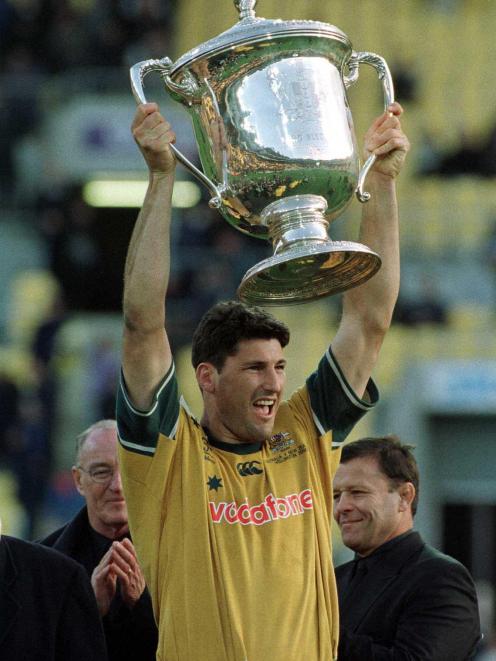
x: 268, y: 103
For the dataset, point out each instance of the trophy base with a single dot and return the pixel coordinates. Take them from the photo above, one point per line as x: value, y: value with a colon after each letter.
x: 308, y: 272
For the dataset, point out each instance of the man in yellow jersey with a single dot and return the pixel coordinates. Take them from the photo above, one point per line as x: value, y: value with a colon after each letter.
x: 230, y: 515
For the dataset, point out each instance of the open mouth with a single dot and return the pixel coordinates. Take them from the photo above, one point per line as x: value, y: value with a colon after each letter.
x: 264, y: 407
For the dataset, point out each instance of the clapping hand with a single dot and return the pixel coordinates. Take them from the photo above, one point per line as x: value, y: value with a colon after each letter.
x: 118, y: 568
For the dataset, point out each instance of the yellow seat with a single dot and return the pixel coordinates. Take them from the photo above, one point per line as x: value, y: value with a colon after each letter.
x: 32, y: 295
x: 12, y: 515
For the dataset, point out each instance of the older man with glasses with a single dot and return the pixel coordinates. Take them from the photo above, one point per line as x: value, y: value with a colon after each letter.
x: 98, y: 538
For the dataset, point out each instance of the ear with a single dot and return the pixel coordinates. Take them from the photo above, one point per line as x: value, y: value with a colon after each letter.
x: 407, y: 494
x: 206, y: 377
x: 76, y: 476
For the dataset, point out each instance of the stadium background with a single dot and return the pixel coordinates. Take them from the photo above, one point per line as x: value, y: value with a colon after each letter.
x: 66, y: 107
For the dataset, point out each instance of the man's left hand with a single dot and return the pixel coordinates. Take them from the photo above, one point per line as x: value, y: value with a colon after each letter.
x: 387, y: 141
x: 132, y: 581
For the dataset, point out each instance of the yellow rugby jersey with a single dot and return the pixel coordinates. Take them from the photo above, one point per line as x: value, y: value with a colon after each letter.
x: 234, y: 540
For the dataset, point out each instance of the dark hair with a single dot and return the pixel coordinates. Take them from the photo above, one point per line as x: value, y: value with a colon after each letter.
x: 226, y: 324
x: 395, y: 460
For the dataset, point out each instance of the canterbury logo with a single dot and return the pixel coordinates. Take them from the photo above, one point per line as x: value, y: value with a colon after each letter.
x: 269, y: 510
x: 249, y: 468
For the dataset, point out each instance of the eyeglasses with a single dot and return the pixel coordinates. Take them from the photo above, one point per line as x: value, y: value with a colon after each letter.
x: 100, y: 475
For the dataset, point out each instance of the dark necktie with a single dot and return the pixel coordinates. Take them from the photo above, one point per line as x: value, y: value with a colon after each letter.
x: 359, y: 570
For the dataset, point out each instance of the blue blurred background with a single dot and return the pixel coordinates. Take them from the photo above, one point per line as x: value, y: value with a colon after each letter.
x: 65, y: 112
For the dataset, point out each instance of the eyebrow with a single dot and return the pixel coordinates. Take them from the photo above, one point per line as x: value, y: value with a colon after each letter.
x: 100, y: 464
x: 351, y: 487
x: 250, y: 363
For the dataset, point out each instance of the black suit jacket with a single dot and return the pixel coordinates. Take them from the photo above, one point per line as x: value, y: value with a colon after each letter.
x: 48, y: 611
x: 130, y: 634
x: 414, y: 604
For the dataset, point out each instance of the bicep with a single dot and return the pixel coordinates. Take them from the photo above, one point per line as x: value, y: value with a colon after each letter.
x: 356, y: 350
x: 146, y: 359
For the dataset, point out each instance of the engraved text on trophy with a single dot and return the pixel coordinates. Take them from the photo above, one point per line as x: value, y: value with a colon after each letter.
x: 294, y: 109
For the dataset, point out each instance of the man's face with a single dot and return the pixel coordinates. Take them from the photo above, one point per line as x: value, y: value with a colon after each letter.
x: 107, y: 509
x: 367, y: 508
x: 247, y: 391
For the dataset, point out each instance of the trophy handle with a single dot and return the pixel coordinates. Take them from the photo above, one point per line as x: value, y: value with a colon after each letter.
x: 188, y: 88
x: 380, y: 65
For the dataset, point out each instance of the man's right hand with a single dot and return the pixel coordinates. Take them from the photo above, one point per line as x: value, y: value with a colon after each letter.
x: 103, y: 582
x: 154, y: 135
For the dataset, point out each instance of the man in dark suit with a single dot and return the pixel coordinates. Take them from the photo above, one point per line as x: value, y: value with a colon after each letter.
x: 98, y: 538
x: 48, y: 610
x: 399, y: 598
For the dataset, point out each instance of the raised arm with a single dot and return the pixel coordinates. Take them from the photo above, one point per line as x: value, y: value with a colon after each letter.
x: 368, y: 308
x: 146, y: 351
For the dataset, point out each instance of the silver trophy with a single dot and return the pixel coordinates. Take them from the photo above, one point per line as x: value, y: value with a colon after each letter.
x: 275, y: 137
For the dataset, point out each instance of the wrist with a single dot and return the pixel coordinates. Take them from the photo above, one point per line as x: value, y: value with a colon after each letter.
x: 380, y: 180
x: 161, y: 175
x: 161, y: 184
x: 103, y: 606
x: 129, y: 602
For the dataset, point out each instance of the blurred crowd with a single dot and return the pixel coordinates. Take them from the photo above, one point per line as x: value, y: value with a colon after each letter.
x: 40, y: 40
x: 43, y: 38
x: 52, y: 36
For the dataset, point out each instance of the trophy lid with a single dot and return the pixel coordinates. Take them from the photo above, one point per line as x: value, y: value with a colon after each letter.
x: 251, y: 28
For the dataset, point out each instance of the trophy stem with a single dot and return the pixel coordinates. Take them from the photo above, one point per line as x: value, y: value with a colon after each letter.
x: 306, y: 264
x: 296, y: 220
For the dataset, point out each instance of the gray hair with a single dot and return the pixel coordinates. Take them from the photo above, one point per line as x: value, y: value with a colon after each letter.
x: 81, y: 439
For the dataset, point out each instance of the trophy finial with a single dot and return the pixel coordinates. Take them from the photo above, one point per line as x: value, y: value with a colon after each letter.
x: 246, y: 8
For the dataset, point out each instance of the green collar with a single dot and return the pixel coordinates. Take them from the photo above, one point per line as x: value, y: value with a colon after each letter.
x: 235, y: 448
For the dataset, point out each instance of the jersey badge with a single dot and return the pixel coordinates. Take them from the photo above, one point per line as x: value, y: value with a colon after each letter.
x: 280, y: 441
x: 287, y: 448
